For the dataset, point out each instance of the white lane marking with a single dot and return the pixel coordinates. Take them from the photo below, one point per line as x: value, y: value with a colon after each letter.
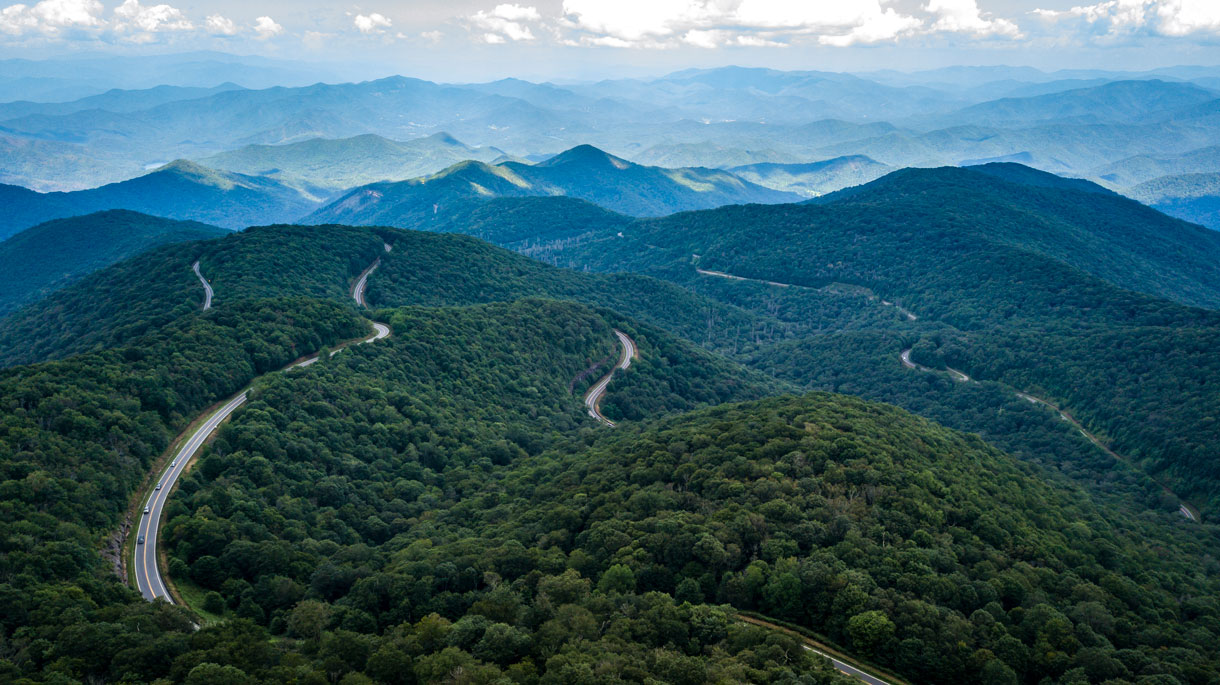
x: 358, y: 291
x: 207, y: 287
x: 593, y: 397
x: 153, y: 585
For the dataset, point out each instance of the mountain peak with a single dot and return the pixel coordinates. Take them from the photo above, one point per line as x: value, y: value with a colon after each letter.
x: 585, y: 155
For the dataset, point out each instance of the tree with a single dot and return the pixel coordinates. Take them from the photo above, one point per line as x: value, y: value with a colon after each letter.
x: 617, y: 579
x: 308, y: 619
x: 870, y: 630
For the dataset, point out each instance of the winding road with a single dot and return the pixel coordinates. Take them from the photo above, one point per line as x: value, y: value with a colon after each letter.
x: 1184, y: 508
x: 362, y: 283
x: 720, y: 274
x: 905, y: 356
x: 207, y: 287
x: 149, y: 580
x: 593, y: 398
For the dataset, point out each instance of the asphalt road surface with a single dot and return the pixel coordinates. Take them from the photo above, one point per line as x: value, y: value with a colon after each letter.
x: 148, y: 575
x: 594, y: 397
x: 358, y: 289
x: 207, y: 287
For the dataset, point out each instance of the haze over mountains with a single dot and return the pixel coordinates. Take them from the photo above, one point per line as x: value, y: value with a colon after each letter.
x: 1094, y: 125
x: 733, y: 375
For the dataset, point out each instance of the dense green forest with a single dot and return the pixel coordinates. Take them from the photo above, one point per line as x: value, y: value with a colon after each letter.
x: 47, y: 257
x: 76, y: 439
x: 144, y: 293
x: 437, y: 506
x: 855, y: 519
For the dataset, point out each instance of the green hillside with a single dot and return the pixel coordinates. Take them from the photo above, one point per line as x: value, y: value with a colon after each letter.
x: 47, y: 257
x: 112, y: 306
x: 583, y: 172
x: 336, y: 165
x: 1014, y: 283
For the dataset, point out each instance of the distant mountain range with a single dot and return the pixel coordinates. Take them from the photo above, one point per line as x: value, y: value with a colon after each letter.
x: 335, y: 165
x: 816, y: 178
x: 181, y: 190
x: 583, y: 172
x: 1071, y: 123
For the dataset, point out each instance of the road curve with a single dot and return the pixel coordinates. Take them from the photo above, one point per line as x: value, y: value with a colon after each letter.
x: 148, y: 574
x: 840, y: 665
x: 593, y: 398
x: 207, y: 287
x: 362, y: 283
x: 149, y: 580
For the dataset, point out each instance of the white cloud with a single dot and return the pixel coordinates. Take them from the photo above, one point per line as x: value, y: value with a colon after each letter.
x: 266, y: 28
x: 372, y: 23
x: 1182, y: 17
x: 218, y: 25
x: 656, y: 23
x: 432, y: 36
x: 964, y: 16
x: 50, y: 17
x: 506, y: 22
x: 1157, y: 17
x: 131, y: 15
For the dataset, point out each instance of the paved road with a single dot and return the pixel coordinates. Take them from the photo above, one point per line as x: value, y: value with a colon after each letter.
x: 146, y: 565
x: 593, y: 398
x: 720, y: 274
x: 207, y: 287
x: 148, y: 575
x: 840, y: 665
x: 358, y: 289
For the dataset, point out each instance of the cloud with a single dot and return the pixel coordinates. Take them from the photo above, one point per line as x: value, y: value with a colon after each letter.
x: 964, y: 16
x: 506, y: 22
x: 704, y: 23
x: 51, y: 17
x: 1173, y: 18
x: 133, y: 16
x: 372, y: 23
x: 218, y: 25
x: 266, y: 28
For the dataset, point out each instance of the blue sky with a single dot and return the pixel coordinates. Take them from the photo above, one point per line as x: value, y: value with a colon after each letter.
x: 475, y: 39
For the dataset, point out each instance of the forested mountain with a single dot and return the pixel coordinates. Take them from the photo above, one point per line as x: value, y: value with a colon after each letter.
x: 49, y: 256
x: 1120, y: 102
x: 816, y: 178
x: 181, y: 190
x: 1016, y: 277
x: 337, y: 165
x: 1193, y: 197
x: 583, y: 172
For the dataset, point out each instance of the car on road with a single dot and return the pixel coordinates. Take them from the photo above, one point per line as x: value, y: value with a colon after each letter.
x: 145, y: 510
x: 158, y: 486
x: 173, y: 463
x: 140, y: 540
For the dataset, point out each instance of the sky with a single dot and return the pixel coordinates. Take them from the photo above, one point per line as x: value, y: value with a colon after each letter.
x: 581, y: 39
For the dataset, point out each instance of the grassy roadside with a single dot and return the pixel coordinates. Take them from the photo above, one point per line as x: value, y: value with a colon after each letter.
x: 816, y: 641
